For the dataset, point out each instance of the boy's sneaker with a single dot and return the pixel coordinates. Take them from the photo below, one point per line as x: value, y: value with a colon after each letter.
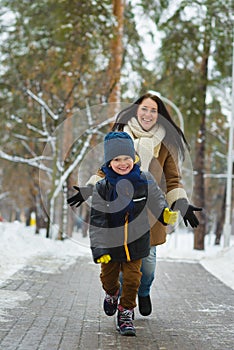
x: 110, y: 304
x: 124, y: 321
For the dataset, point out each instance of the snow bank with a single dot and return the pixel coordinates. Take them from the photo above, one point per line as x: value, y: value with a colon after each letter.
x: 217, y: 260
x: 20, y: 247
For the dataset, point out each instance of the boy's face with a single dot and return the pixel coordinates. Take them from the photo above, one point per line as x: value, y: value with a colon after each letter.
x: 122, y: 164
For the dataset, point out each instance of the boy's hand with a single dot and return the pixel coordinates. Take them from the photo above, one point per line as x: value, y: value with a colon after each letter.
x: 170, y: 217
x: 104, y: 259
x: 83, y: 194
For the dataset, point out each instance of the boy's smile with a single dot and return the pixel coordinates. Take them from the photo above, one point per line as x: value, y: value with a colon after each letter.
x: 122, y: 164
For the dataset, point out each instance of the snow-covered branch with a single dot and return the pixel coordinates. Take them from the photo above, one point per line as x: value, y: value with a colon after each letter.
x: 65, y: 175
x: 89, y: 113
x: 35, y: 162
x: 21, y: 137
x: 28, y: 148
x: 95, y: 129
x: 26, y: 138
x: 33, y: 128
x: 86, y: 145
x: 43, y: 104
x: 43, y: 119
x: 17, y: 119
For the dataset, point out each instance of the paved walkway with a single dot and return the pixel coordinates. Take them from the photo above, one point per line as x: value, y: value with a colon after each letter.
x: 191, y: 310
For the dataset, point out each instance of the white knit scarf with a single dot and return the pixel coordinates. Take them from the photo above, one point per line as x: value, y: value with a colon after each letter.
x: 147, y: 143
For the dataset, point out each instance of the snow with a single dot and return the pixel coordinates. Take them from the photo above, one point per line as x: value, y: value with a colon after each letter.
x: 216, y: 259
x: 21, y: 247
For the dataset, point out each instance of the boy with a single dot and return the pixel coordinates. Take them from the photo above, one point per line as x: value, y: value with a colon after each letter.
x: 119, y: 228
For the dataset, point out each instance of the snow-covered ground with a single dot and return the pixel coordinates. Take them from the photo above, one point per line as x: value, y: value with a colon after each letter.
x: 217, y: 260
x: 19, y: 246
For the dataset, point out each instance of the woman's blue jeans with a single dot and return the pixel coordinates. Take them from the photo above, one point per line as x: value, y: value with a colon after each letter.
x: 148, y: 272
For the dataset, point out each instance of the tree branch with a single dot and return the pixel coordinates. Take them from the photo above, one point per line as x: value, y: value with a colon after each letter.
x: 43, y: 104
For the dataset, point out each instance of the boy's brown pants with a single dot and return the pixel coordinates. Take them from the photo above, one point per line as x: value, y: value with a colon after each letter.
x: 131, y: 280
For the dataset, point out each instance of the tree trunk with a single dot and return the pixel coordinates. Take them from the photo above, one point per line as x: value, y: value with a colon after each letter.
x: 68, y: 220
x: 114, y: 69
x: 199, y: 188
x: 72, y: 179
x: 220, y: 220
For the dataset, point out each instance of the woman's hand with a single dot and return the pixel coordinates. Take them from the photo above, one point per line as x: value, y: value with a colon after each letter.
x: 187, y: 212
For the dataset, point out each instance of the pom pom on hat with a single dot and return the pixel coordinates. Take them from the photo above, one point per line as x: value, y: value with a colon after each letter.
x: 116, y: 144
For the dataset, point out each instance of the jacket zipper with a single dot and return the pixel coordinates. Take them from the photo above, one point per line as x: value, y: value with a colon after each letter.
x: 126, y: 237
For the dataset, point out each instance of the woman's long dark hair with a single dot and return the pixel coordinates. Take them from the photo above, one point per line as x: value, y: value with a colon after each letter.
x: 174, y: 135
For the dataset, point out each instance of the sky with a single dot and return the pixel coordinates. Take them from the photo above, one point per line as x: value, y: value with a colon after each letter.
x: 21, y: 247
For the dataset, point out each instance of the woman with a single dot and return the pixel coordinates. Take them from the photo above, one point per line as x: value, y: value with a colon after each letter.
x: 160, y: 144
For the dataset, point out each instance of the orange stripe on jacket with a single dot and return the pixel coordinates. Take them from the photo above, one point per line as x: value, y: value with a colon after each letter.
x: 126, y: 238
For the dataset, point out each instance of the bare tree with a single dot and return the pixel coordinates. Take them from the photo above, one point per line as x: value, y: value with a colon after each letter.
x: 53, y: 170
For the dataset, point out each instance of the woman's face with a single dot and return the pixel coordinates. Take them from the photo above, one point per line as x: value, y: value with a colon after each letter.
x: 147, y: 113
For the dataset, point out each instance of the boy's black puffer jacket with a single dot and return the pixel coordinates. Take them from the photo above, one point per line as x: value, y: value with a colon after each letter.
x: 132, y: 240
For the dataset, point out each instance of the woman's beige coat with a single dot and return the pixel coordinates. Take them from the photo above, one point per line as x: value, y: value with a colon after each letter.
x: 165, y: 170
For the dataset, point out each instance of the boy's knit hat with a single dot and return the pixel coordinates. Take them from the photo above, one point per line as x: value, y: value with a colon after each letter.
x: 116, y: 144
